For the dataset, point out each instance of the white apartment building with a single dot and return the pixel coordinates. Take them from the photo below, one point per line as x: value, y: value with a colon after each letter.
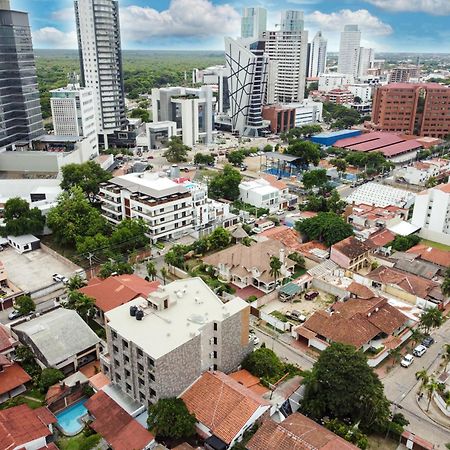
x: 165, y: 205
x: 253, y: 22
x: 432, y: 214
x: 421, y: 171
x: 74, y: 113
x: 191, y: 109
x: 317, y: 62
x: 99, y: 46
x: 363, y: 91
x: 289, y: 48
x: 366, y: 58
x: 216, y: 77
x: 260, y: 193
x: 158, y: 346
x: 349, y: 50
x: 331, y: 81
x: 247, y: 66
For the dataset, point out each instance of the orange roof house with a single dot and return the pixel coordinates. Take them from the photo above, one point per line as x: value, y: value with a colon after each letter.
x: 223, y: 407
x: 12, y: 379
x: 431, y: 254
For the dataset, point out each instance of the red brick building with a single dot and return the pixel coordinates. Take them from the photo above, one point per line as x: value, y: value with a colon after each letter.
x: 420, y: 109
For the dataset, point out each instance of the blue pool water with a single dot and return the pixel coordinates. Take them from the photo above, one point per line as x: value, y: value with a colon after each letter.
x: 69, y: 419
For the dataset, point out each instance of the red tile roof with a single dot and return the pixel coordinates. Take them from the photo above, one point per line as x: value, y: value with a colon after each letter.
x: 20, y: 425
x: 6, y: 341
x: 381, y: 238
x: 115, y: 425
x: 274, y: 181
x: 351, y: 247
x: 431, y: 254
x: 118, y: 290
x: 222, y: 404
x: 297, y: 432
x: 287, y: 236
x: 12, y: 377
x: 444, y: 188
x: 99, y: 380
x: 360, y: 290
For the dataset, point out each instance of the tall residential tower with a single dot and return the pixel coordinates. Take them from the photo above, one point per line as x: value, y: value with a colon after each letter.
x: 253, y: 22
x: 349, y: 50
x: 317, y: 55
x: 20, y: 108
x: 99, y: 46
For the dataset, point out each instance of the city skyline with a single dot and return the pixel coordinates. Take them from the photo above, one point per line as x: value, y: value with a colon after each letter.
x: 394, y: 25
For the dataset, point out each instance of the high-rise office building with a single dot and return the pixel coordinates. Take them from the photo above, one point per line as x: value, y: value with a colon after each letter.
x: 74, y: 113
x: 253, y: 22
x: 289, y: 48
x: 404, y: 74
x: 349, y: 50
x: 247, y: 67
x: 317, y: 58
x: 366, y: 58
x: 99, y: 46
x: 20, y: 108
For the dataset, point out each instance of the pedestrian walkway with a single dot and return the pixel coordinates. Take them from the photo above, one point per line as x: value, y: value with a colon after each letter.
x: 434, y: 413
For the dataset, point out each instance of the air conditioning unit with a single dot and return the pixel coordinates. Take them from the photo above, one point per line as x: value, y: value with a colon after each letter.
x: 211, y: 355
x: 211, y: 341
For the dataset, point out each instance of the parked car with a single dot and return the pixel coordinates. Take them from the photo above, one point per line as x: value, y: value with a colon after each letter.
x: 58, y: 278
x: 250, y: 221
x: 14, y: 314
x: 407, y: 360
x: 427, y: 341
x: 253, y: 338
x: 296, y: 315
x: 419, y: 350
x: 311, y: 295
x: 280, y: 212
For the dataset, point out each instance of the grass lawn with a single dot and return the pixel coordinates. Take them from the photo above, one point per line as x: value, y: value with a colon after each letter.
x: 35, y: 393
x: 79, y: 442
x: 435, y: 245
x: 21, y: 400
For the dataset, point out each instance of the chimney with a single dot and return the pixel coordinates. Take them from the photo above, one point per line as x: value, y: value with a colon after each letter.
x: 4, y: 4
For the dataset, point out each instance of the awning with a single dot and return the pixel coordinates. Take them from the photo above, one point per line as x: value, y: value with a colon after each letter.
x: 403, y: 228
x: 290, y: 289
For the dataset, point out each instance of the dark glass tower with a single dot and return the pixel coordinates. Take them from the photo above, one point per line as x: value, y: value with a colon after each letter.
x: 20, y: 109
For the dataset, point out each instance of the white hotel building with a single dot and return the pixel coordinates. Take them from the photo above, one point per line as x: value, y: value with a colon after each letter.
x: 165, y: 205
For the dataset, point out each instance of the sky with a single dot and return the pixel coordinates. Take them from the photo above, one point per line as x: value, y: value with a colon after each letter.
x: 387, y: 25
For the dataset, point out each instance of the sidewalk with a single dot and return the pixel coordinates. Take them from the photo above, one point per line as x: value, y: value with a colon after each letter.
x: 434, y: 413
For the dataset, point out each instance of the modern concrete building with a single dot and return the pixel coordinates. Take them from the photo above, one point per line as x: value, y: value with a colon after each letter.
x: 191, y: 109
x: 432, y: 213
x: 98, y: 30
x: 366, y: 58
x: 330, y: 81
x: 362, y: 90
x: 165, y: 205
x: 74, y: 113
x: 418, y: 109
x: 317, y: 58
x: 288, y: 46
x: 247, y: 66
x: 404, y: 74
x: 349, y: 50
x: 253, y: 22
x: 159, y: 345
x: 20, y: 108
x: 216, y: 77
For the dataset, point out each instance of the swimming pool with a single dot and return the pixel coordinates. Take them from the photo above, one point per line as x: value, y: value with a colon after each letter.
x: 69, y: 420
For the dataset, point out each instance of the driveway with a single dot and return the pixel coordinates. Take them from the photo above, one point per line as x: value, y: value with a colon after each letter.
x: 401, y: 387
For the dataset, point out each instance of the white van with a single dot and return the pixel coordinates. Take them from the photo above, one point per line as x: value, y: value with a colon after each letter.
x: 263, y: 226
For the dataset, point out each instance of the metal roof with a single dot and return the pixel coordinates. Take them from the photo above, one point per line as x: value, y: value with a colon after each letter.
x: 290, y: 289
x: 281, y: 156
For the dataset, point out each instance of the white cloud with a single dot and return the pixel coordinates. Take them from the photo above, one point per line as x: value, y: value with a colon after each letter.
x: 51, y: 37
x: 183, y: 18
x: 435, y: 7
x: 332, y: 22
x: 64, y: 15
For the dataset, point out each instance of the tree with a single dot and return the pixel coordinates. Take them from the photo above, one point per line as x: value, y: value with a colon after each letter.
x: 177, y: 151
x: 151, y: 270
x: 49, y: 377
x: 268, y: 148
x: 340, y: 164
x: 20, y: 219
x: 170, y: 418
x: 73, y: 217
x: 404, y: 243
x: 140, y: 113
x: 24, y: 305
x: 98, y: 244
x: 164, y: 274
x: 431, y: 182
x: 76, y: 282
x: 314, y: 178
x: 226, y: 184
x: 306, y: 152
x: 81, y: 303
x: 129, y: 235
x: 446, y: 284
x: 236, y: 158
x: 326, y: 227
x: 26, y: 357
x: 423, y: 376
x: 416, y: 336
x: 219, y: 238
x: 431, y: 387
x: 396, y: 355
x: 87, y: 176
x: 431, y: 318
x: 115, y: 267
x: 263, y: 363
x: 275, y: 267
x: 342, y: 386
x: 335, y: 204
x: 176, y: 256
x: 202, y: 158
x: 298, y: 259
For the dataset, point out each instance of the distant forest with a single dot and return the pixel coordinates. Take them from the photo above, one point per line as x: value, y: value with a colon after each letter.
x: 143, y: 70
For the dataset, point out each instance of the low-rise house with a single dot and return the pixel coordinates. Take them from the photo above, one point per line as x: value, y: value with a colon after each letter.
x: 7, y: 342
x: 409, y: 262
x: 224, y: 409
x: 296, y: 432
x: 24, y: 243
x: 117, y: 290
x: 59, y: 339
x: 8, y: 291
x: 250, y: 266
x: 380, y: 241
x: 351, y: 254
x: 159, y: 345
x: 116, y: 426
x: 408, y: 287
x: 12, y: 379
x: 364, y: 323
x: 261, y: 194
x: 421, y: 171
x: 287, y: 199
x: 24, y: 428
x: 436, y: 256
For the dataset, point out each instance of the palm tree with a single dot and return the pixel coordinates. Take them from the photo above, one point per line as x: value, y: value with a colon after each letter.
x: 446, y: 356
x: 424, y: 377
x: 431, y: 387
x: 396, y: 355
x: 164, y: 274
x: 446, y: 284
x: 275, y: 267
x: 151, y: 270
x: 416, y: 336
x: 431, y: 318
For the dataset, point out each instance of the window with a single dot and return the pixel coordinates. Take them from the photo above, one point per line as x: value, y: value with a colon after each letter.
x: 152, y: 377
x: 124, y: 343
x: 126, y: 358
x: 114, y: 334
x: 115, y: 349
x: 215, y: 341
x: 127, y: 373
x: 116, y: 363
x: 128, y: 387
x: 140, y: 352
x: 151, y: 363
x: 215, y: 326
x: 140, y: 367
x: 118, y: 377
x: 152, y: 392
x: 141, y: 381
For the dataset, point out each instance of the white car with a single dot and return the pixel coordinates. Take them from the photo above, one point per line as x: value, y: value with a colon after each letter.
x: 253, y: 338
x: 407, y: 360
x: 419, y: 350
x: 250, y: 221
x: 280, y: 213
x: 58, y: 278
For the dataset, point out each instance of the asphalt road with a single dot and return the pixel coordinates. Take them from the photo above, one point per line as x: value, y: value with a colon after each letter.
x: 401, y: 387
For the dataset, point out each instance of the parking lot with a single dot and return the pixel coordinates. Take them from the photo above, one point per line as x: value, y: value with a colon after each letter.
x: 33, y: 270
